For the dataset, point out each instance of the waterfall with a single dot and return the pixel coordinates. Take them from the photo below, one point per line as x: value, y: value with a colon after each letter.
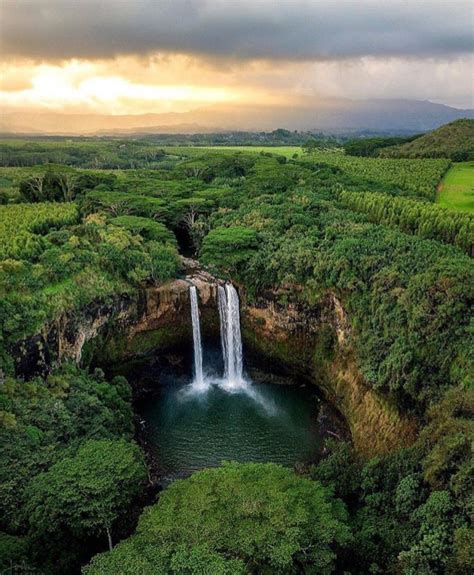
x: 198, y: 373
x: 231, y: 339
x: 222, y: 306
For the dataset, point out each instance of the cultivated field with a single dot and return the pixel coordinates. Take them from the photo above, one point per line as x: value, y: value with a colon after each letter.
x: 457, y: 189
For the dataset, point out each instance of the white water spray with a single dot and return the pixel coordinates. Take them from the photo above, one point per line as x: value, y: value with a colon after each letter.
x: 198, y: 372
x: 231, y: 339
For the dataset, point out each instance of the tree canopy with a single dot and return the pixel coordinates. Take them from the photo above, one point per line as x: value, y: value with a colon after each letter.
x: 87, y: 492
x: 238, y: 518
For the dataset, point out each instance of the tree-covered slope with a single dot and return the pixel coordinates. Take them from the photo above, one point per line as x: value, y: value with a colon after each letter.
x: 454, y: 140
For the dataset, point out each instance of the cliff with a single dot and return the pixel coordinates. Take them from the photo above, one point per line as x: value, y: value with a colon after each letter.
x: 313, y: 342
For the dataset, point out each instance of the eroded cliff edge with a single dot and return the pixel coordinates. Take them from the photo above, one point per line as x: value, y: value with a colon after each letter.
x: 313, y: 342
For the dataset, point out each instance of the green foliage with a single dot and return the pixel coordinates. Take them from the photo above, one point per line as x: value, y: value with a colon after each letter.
x: 137, y: 557
x: 239, y: 518
x: 462, y: 560
x: 78, y: 265
x: 410, y: 509
x: 112, y: 154
x: 425, y: 220
x: 22, y: 226
x: 87, y: 492
x: 67, y: 467
x: 340, y: 470
x: 13, y: 551
x: 325, y: 224
x: 123, y: 203
x: 50, y: 187
x: 448, y: 463
x: 39, y: 417
x: 435, y: 519
x: 418, y: 177
x: 454, y: 141
x: 229, y: 248
x: 410, y: 315
x: 148, y: 229
x: 226, y: 167
x: 369, y: 147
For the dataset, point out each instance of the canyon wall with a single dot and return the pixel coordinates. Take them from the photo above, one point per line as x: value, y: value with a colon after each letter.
x: 313, y: 342
x: 154, y: 317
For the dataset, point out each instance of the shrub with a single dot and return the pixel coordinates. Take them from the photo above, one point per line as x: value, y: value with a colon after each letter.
x: 229, y: 248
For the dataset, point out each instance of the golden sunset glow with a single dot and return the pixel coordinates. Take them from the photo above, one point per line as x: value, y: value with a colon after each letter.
x: 125, y: 86
x: 134, y: 58
x: 81, y: 86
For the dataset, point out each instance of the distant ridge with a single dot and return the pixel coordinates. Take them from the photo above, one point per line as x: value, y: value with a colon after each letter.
x: 329, y: 115
x: 172, y: 129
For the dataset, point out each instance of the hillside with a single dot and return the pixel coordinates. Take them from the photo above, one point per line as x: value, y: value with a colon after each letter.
x: 454, y: 140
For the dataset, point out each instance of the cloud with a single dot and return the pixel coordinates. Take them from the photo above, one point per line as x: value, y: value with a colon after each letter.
x: 135, y: 56
x: 438, y: 80
x: 243, y: 29
x: 130, y: 85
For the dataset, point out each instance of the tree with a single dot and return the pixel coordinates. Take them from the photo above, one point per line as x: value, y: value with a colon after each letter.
x: 67, y: 183
x: 429, y: 554
x: 13, y: 551
x: 309, y: 146
x: 86, y: 493
x: 148, y: 229
x: 39, y: 420
x: 229, y: 247
x: 238, y: 518
x: 192, y: 217
x: 32, y: 188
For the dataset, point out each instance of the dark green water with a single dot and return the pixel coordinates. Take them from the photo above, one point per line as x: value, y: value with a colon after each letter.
x: 188, y: 429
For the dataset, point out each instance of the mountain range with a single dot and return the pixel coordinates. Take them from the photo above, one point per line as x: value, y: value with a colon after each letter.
x: 326, y: 115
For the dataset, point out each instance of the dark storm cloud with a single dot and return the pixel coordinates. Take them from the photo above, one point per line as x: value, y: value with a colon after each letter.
x: 271, y: 29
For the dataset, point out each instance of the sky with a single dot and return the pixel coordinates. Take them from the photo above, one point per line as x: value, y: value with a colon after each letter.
x: 155, y: 56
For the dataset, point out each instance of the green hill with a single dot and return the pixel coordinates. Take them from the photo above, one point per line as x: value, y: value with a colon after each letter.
x: 454, y: 140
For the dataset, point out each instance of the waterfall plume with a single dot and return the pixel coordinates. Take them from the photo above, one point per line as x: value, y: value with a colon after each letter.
x: 198, y: 371
x: 231, y: 339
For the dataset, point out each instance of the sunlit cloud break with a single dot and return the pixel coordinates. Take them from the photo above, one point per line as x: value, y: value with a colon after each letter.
x: 54, y: 89
x: 118, y: 57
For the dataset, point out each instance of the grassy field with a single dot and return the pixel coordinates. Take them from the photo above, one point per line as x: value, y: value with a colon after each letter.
x: 457, y: 189
x: 287, y: 151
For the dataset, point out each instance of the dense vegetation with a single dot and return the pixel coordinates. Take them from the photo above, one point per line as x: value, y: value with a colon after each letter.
x: 407, y: 177
x: 22, y: 226
x: 148, y: 152
x: 361, y: 228
x: 46, y: 271
x: 370, y: 147
x: 239, y: 518
x: 299, y: 235
x: 454, y: 141
x: 79, y: 427
x: 425, y: 220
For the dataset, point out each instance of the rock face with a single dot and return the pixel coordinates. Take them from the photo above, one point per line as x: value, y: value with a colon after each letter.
x: 313, y: 342
x: 161, y: 319
x: 150, y: 309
